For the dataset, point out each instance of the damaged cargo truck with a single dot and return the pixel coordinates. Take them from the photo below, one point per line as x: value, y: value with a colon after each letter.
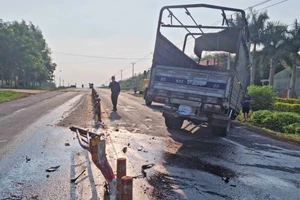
x: 200, y: 90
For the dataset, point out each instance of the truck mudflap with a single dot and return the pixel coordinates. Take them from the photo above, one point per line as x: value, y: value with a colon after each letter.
x: 220, y: 126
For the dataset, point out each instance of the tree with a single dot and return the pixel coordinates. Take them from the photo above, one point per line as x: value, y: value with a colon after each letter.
x: 256, y: 27
x: 292, y: 57
x: 24, y: 55
x: 273, y: 46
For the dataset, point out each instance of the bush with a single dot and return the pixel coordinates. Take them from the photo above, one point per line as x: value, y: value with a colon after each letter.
x: 258, y: 116
x: 276, y: 121
x: 287, y: 107
x: 288, y: 100
x: 264, y: 97
x: 292, y: 128
x: 129, y: 83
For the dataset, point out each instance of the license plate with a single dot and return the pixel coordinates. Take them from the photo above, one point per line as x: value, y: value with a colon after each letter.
x: 185, y: 110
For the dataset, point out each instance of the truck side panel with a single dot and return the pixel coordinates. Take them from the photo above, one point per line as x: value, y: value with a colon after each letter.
x: 191, y: 81
x: 166, y: 53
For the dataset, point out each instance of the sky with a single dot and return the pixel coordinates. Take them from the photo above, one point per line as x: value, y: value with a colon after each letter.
x: 123, y: 30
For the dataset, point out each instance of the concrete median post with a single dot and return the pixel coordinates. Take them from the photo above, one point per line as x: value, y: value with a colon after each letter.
x: 96, y: 145
x: 97, y: 149
x: 121, y: 171
x: 126, y: 183
x: 99, y: 111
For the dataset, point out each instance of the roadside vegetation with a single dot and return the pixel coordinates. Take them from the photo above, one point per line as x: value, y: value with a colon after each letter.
x: 280, y: 115
x: 25, y: 58
x: 130, y: 83
x: 7, y: 95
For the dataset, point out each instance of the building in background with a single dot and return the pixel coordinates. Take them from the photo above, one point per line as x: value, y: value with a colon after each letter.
x: 282, y: 82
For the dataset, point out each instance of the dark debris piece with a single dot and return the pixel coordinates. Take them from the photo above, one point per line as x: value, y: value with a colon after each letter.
x: 147, y: 166
x: 52, y: 169
x: 226, y: 179
x: 27, y: 159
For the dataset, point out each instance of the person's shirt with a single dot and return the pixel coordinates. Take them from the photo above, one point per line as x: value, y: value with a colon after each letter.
x: 245, y: 102
x: 115, y: 87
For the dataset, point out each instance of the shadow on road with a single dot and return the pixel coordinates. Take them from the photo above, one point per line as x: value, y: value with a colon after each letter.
x: 73, y: 194
x: 114, y: 116
x: 155, y: 108
x: 190, y: 161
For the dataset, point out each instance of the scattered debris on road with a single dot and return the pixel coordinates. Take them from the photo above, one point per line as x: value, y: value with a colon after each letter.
x: 144, y: 174
x: 128, y: 144
x: 140, y: 148
x: 145, y: 151
x: 226, y: 179
x: 74, y: 179
x: 27, y: 159
x: 52, y: 169
x: 67, y: 144
x: 124, y: 149
x: 148, y: 166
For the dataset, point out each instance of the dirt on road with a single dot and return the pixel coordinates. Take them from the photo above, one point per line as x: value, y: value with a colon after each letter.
x: 81, y: 116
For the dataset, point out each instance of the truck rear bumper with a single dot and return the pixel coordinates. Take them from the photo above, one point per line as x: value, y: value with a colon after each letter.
x: 175, y: 114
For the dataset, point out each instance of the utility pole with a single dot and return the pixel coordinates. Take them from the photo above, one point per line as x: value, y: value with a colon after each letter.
x: 63, y: 82
x: 133, y: 63
x: 59, y: 81
x: 121, y: 75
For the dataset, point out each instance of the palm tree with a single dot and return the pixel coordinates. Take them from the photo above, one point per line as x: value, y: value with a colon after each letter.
x: 274, y: 38
x: 292, y: 58
x: 256, y: 27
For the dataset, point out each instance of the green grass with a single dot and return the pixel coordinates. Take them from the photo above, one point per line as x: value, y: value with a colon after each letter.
x: 8, y: 95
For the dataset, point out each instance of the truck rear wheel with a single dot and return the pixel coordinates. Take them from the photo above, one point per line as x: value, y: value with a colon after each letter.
x: 148, y: 103
x: 173, y: 122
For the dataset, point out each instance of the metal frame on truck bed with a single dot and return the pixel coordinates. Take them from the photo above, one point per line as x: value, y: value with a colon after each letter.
x: 193, y: 91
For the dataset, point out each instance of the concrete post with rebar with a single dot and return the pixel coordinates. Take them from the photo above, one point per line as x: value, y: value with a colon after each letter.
x: 96, y: 145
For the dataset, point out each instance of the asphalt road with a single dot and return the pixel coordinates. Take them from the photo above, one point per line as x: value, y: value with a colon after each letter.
x: 194, y: 164
x: 31, y: 142
x: 189, y: 164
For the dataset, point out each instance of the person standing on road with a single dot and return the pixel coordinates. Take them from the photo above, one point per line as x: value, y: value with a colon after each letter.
x: 247, y: 99
x: 115, y: 91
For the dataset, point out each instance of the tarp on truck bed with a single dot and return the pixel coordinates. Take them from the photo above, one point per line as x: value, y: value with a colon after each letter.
x: 225, y: 40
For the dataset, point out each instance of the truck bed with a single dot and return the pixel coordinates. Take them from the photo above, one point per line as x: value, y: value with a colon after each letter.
x: 176, y: 76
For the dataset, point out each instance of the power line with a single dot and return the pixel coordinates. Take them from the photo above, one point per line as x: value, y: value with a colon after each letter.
x: 101, y: 57
x: 250, y: 7
x: 190, y: 40
x: 272, y: 5
x: 137, y: 61
x: 144, y: 58
x: 258, y: 4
